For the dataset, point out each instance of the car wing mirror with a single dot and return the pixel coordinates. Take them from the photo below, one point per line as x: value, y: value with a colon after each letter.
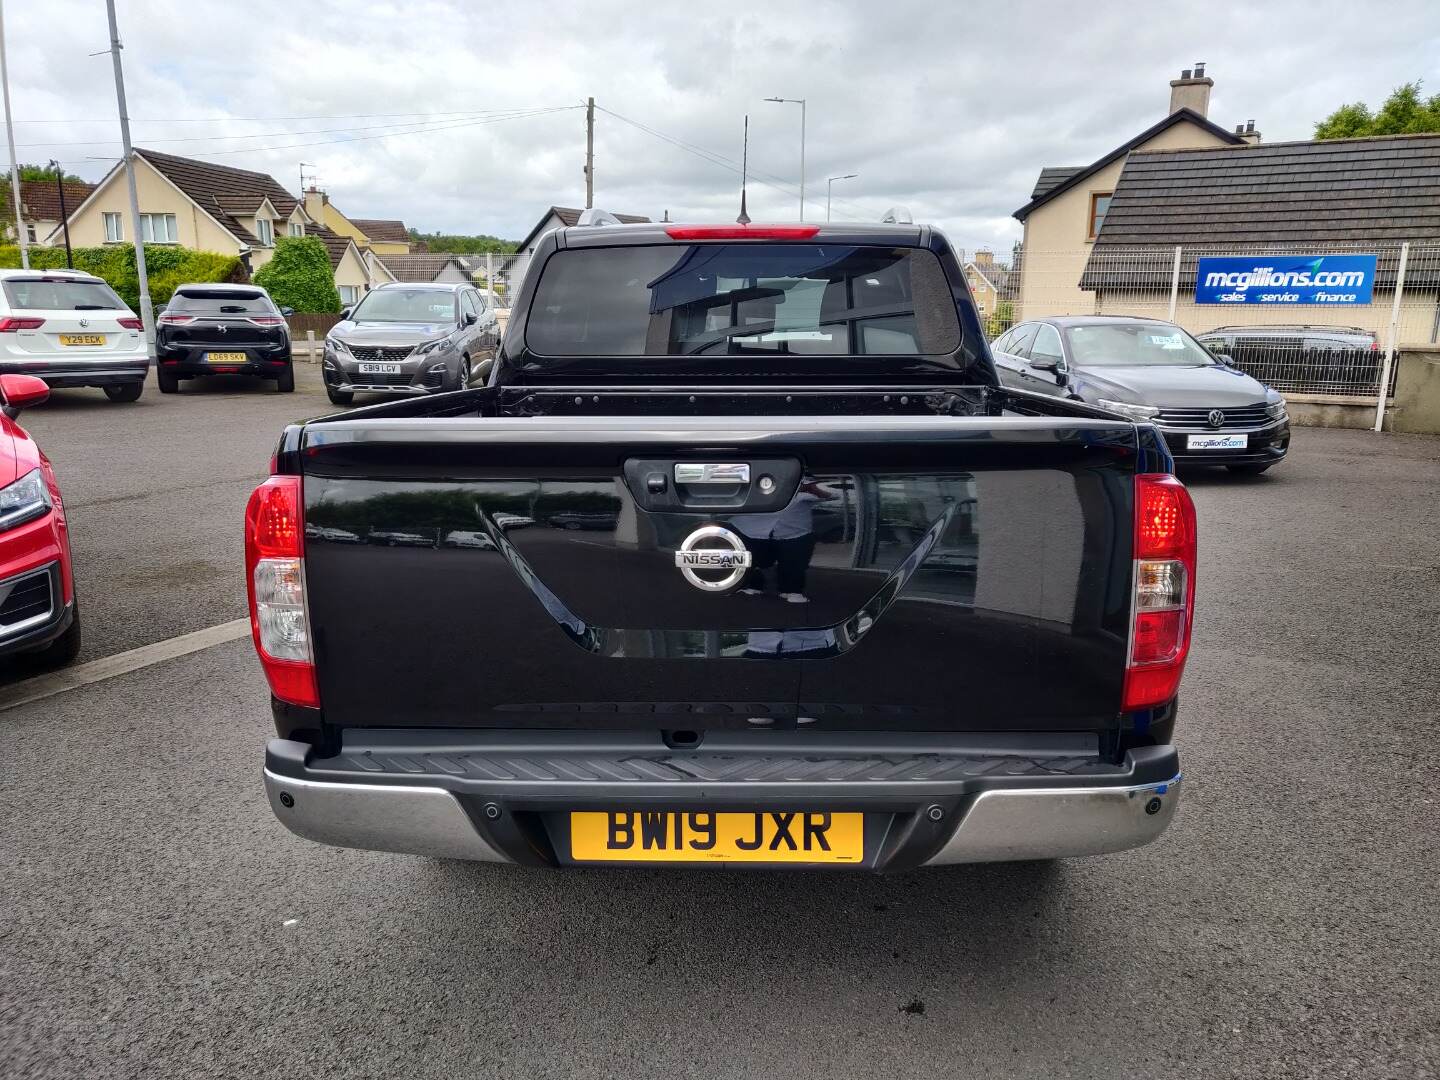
x: 287, y: 311
x: 1226, y: 359
x: 471, y: 318
x: 345, y: 313
x: 20, y: 392
x: 1047, y: 363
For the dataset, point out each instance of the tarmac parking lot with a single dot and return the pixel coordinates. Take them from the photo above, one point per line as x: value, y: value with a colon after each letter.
x: 155, y: 920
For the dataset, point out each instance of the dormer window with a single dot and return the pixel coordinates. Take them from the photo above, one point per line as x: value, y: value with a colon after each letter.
x: 265, y: 231
x: 297, y: 228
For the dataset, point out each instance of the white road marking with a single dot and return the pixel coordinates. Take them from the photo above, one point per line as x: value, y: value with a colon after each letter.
x: 44, y: 686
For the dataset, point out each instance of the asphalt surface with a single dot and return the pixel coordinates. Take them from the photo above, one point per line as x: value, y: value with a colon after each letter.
x: 156, y: 921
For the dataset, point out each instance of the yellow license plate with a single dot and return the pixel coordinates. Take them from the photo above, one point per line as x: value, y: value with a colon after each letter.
x: 82, y: 339
x: 225, y: 357
x: 665, y: 836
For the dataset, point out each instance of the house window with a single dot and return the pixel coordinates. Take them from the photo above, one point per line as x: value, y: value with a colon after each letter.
x: 114, y: 231
x: 158, y: 229
x: 348, y: 294
x: 265, y: 230
x: 1099, y: 203
x: 30, y: 233
x: 297, y: 228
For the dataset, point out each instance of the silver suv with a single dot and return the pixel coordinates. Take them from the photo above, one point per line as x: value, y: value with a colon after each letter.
x: 410, y: 338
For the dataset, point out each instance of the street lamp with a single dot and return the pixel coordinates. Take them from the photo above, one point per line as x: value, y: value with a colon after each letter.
x: 847, y: 176
x: 801, y: 103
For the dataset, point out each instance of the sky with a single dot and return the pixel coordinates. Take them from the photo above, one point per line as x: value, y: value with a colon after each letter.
x: 458, y: 116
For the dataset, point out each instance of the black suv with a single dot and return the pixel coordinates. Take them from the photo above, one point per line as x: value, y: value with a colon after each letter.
x: 209, y: 330
x: 1303, y: 359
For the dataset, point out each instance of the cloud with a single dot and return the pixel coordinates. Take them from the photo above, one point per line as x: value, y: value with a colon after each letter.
x: 946, y: 109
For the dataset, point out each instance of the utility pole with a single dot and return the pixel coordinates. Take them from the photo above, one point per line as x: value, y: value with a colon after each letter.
x: 64, y: 213
x: 10, y: 136
x: 589, y: 153
x: 147, y: 312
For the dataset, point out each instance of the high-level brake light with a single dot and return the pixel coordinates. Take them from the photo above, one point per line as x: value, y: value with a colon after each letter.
x: 1164, y: 593
x: 741, y: 232
x: 275, y: 566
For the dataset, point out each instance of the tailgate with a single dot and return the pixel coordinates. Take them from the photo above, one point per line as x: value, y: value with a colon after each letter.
x: 938, y: 573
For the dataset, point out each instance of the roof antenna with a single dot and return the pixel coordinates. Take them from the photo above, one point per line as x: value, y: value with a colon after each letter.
x: 744, y: 218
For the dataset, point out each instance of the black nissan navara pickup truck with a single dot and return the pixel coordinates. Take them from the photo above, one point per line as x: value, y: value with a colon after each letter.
x: 834, y: 598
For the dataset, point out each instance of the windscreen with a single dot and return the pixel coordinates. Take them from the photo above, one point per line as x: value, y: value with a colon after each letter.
x: 54, y: 294
x: 220, y: 302
x: 1135, y: 345
x: 407, y: 305
x: 743, y: 299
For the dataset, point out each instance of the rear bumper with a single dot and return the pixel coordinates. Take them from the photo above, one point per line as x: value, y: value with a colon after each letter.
x: 507, y: 797
x: 265, y: 366
x: 60, y: 374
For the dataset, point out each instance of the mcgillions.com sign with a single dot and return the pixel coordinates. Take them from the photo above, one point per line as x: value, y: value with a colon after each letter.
x: 1286, y: 279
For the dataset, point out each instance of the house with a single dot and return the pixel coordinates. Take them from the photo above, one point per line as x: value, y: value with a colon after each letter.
x: 191, y: 203
x: 1367, y: 195
x: 353, y: 274
x: 424, y: 267
x: 989, y: 283
x: 1069, y: 204
x: 40, y: 207
x: 557, y: 217
x: 382, y: 236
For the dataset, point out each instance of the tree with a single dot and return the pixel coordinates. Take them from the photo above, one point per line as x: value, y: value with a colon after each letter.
x: 463, y: 245
x: 45, y: 172
x: 299, y: 275
x: 1405, y: 112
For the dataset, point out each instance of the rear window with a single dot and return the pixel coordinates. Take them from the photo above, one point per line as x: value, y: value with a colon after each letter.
x: 54, y: 294
x: 743, y: 299
x: 218, y: 302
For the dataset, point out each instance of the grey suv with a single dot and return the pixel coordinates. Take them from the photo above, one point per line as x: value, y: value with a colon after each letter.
x: 410, y: 338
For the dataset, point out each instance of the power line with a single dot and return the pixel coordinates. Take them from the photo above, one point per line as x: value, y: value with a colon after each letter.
x: 307, y: 116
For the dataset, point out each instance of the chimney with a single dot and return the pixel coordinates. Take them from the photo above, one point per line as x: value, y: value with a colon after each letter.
x: 1191, y: 90
x: 1248, y: 133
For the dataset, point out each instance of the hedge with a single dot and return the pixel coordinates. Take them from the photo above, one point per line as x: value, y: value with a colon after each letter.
x: 168, y: 267
x: 299, y: 275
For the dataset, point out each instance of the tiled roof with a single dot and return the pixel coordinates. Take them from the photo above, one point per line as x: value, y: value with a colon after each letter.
x: 221, y: 190
x: 335, y: 244
x: 382, y: 229
x: 417, y: 267
x: 1052, y: 175
x: 998, y: 276
x: 40, y: 199
x: 570, y: 216
x: 1366, y: 194
x: 1078, y: 175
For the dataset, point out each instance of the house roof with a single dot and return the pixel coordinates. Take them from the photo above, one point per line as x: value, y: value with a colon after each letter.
x: 222, y: 191
x: 1368, y: 194
x: 1079, y: 175
x: 418, y: 267
x: 386, y: 230
x: 569, y: 217
x: 1051, y: 175
x: 998, y: 276
x: 335, y: 244
x: 40, y: 199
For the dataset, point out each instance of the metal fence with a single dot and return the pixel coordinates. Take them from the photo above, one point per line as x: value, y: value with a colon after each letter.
x: 1326, y: 349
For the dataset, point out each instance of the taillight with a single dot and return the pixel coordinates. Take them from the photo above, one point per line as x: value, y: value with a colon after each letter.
x: 1164, y: 593
x: 275, y: 569
x: 741, y: 232
x: 130, y: 323
x: 267, y: 320
x: 174, y: 320
x: 10, y: 323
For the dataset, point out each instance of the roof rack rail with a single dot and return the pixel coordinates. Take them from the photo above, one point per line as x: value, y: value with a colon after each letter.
x: 897, y: 215
x: 595, y: 216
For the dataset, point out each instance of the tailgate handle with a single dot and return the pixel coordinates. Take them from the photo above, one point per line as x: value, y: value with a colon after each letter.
x: 692, y: 472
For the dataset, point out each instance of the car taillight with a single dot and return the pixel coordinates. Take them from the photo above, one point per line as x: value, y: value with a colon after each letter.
x: 275, y: 570
x: 10, y: 323
x: 174, y: 320
x: 130, y: 323
x: 267, y: 320
x: 741, y: 232
x: 1163, y: 603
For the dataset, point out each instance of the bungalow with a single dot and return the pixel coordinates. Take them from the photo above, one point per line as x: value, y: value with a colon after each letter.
x: 557, y: 217
x: 423, y: 267
x: 40, y: 206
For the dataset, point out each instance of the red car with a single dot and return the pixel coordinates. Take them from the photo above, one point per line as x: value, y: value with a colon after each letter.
x: 38, y: 611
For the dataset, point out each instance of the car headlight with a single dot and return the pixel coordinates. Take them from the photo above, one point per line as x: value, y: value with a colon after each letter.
x: 336, y: 345
x: 432, y: 346
x: 1124, y: 408
x: 24, y: 500
x: 1275, y: 409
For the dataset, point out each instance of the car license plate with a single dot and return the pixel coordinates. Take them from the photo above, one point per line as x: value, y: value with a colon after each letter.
x: 225, y: 357
x: 666, y: 836
x: 379, y: 369
x: 1217, y: 442
x: 82, y: 339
